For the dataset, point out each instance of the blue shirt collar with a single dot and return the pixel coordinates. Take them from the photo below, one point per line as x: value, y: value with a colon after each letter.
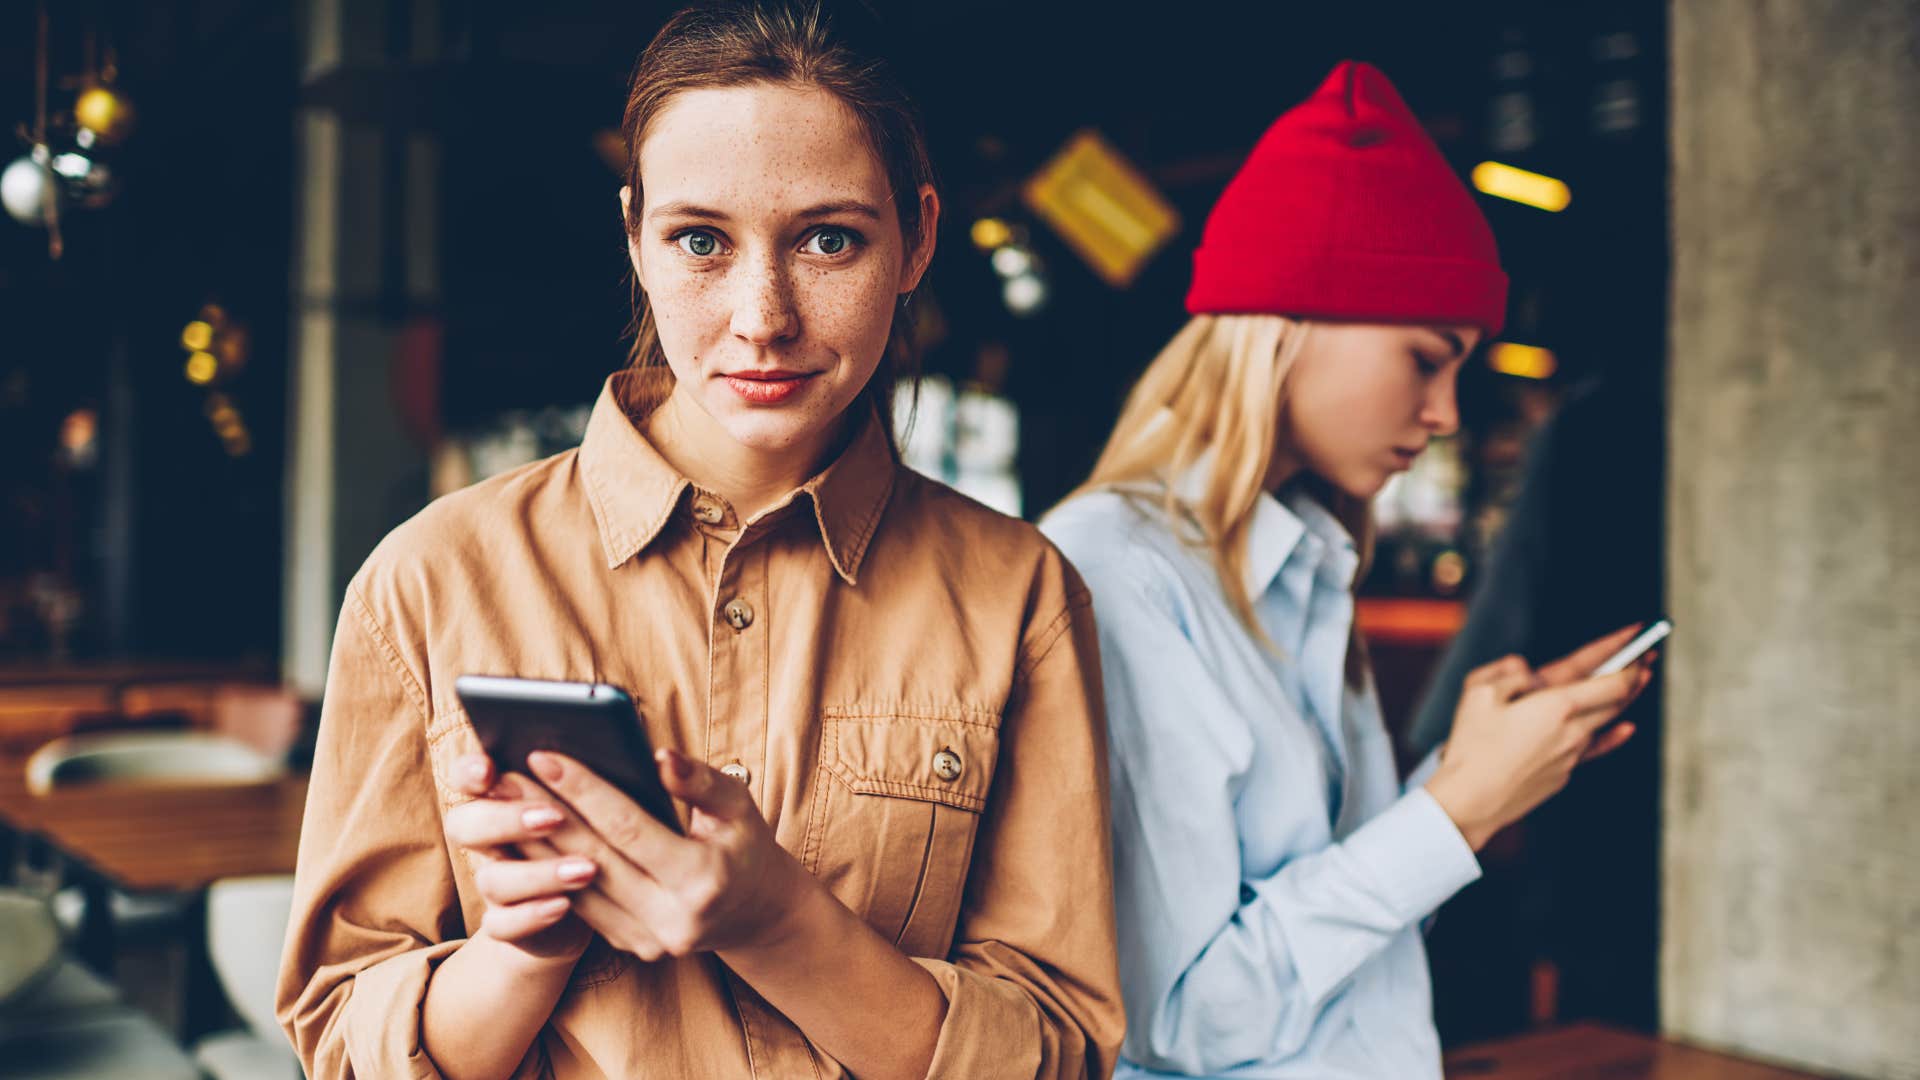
x: 1283, y: 530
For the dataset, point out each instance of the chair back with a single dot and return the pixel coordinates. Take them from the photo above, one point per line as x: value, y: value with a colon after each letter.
x: 148, y: 757
x: 246, y: 930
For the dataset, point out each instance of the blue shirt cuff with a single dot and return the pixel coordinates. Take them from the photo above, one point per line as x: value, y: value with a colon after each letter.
x: 1415, y: 855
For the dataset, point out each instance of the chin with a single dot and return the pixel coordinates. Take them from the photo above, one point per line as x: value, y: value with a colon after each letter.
x: 1361, y: 484
x: 794, y: 422
x: 768, y: 429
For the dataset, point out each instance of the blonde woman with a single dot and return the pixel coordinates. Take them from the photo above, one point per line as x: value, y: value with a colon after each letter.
x: 1271, y: 868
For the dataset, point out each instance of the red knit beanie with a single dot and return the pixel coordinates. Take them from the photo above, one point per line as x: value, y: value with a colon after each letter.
x: 1347, y: 211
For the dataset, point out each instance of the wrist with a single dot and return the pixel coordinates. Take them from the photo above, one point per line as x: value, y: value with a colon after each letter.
x: 532, y: 963
x: 797, y: 903
x: 1475, y: 828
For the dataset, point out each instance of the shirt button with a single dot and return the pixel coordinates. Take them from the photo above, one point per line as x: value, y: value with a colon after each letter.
x: 707, y: 510
x: 736, y: 770
x: 739, y: 614
x: 947, y: 765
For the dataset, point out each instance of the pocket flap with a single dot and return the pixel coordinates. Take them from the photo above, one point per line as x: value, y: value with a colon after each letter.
x: 946, y: 758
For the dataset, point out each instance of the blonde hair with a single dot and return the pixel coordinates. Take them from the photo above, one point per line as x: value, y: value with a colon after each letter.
x: 1217, y: 390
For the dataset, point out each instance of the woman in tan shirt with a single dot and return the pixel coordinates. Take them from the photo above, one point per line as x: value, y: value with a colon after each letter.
x: 878, y: 701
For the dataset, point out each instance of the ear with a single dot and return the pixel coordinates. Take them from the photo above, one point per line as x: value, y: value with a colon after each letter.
x: 633, y: 250
x: 920, y: 254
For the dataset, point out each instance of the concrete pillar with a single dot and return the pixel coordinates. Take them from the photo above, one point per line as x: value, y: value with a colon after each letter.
x: 1791, y: 924
x: 352, y: 472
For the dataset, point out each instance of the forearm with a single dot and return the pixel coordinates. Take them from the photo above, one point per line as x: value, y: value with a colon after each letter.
x: 485, y: 1005
x: 833, y: 976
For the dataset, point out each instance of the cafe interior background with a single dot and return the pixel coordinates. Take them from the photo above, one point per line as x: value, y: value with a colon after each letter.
x: 274, y: 275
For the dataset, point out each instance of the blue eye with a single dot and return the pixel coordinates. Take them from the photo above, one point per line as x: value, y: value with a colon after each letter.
x: 697, y: 242
x: 830, y: 241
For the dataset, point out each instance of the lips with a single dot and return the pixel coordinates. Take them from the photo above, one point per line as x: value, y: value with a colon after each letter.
x: 766, y: 386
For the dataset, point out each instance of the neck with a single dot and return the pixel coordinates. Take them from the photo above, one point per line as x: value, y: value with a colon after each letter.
x: 1281, y: 470
x: 750, y: 478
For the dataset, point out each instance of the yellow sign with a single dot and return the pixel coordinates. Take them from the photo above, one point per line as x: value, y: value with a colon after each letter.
x: 1100, y: 204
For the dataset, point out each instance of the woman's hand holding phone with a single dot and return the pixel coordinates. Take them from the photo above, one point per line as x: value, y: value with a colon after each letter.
x: 1518, y: 733
x: 528, y: 884
x: 726, y: 884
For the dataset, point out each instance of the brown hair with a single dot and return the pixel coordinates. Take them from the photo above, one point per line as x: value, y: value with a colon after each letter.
x: 813, y: 43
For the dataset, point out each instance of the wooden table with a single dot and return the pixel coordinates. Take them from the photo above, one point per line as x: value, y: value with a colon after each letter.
x: 158, y: 838
x: 111, y: 673
x: 1592, y: 1052
x: 153, y: 838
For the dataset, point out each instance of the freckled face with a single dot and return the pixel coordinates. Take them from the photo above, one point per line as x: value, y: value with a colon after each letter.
x: 770, y: 249
x: 1363, y: 400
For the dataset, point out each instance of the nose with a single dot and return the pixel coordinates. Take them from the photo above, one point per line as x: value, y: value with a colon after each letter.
x: 763, y: 310
x: 1440, y: 412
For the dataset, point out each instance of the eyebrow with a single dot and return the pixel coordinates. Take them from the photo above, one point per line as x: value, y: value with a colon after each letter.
x: 831, y: 208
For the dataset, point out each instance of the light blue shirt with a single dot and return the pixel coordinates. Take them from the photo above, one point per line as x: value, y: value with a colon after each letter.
x: 1271, y: 873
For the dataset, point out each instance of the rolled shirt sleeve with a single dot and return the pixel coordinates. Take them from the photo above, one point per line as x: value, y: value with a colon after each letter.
x: 375, y: 906
x: 1031, y: 986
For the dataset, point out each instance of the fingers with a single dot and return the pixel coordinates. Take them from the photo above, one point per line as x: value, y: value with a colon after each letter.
x: 609, y: 815
x: 1607, y: 742
x: 505, y: 882
x: 1590, y: 703
x: 620, y: 927
x: 1504, y: 667
x: 487, y: 823
x: 473, y: 774
x: 1511, y: 685
x: 702, y: 786
x: 516, y: 921
x: 1580, y: 663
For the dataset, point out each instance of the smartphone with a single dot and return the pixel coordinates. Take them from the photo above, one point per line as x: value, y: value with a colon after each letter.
x: 592, y: 723
x: 1635, y: 649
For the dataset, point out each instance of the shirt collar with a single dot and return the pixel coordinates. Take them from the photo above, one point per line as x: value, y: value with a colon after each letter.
x: 634, y: 491
x: 1282, y: 530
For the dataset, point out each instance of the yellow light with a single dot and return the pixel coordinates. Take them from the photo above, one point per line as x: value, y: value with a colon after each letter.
x: 78, y: 430
x: 197, y: 336
x: 990, y: 233
x: 103, y: 112
x: 1106, y: 210
x: 201, y: 368
x: 1521, y: 186
x: 1524, y: 361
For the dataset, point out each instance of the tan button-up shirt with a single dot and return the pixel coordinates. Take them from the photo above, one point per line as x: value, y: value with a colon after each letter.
x: 909, y: 681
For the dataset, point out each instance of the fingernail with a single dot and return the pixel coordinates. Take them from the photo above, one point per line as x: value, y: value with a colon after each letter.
x: 476, y: 771
x: 545, y: 766
x: 541, y: 817
x: 575, y: 870
x: 676, y: 761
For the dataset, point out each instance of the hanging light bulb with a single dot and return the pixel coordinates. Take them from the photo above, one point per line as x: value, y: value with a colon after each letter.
x: 105, y: 112
x: 30, y: 190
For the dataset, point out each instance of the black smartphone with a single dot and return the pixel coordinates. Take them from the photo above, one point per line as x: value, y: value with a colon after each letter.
x: 592, y: 723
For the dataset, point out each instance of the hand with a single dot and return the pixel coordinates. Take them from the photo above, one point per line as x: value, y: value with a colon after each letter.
x: 527, y: 883
x: 726, y: 884
x: 1519, y: 733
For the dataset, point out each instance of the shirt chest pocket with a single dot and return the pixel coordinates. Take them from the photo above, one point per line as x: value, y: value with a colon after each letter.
x: 898, y: 803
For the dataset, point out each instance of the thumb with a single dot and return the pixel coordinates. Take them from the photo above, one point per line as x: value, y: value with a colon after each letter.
x: 700, y: 785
